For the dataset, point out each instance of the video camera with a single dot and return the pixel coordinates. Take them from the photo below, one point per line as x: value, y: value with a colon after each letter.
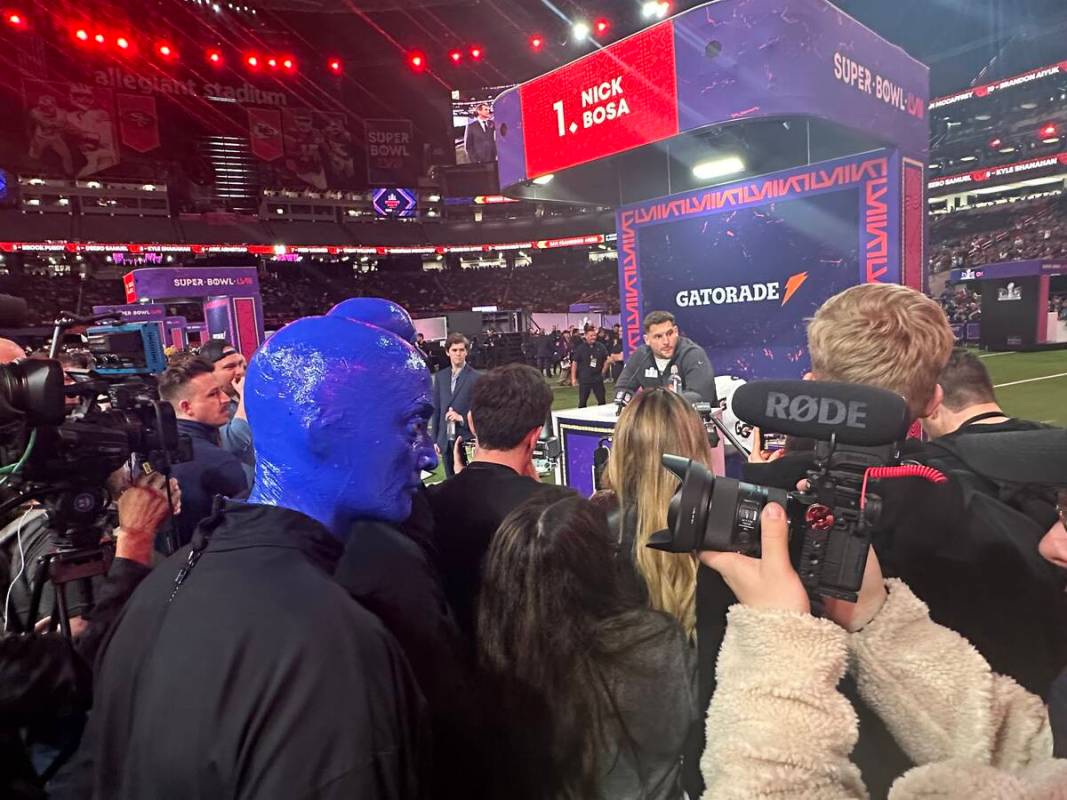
x: 858, y: 431
x: 63, y: 453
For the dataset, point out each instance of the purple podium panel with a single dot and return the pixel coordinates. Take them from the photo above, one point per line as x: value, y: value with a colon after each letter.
x: 742, y: 266
x: 233, y: 308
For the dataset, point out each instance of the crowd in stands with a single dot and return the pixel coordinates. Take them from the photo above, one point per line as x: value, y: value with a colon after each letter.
x: 1015, y: 232
x: 961, y: 304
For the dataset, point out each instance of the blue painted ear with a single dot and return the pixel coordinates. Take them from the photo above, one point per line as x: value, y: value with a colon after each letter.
x: 379, y: 312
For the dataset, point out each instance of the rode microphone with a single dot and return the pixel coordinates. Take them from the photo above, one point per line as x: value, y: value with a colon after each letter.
x: 864, y: 416
x: 622, y: 399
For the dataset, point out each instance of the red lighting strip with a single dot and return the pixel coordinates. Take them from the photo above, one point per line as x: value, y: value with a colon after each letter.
x: 998, y: 86
x: 985, y: 174
x: 280, y: 249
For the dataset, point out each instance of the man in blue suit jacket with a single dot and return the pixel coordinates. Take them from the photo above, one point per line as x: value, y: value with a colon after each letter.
x: 452, y: 389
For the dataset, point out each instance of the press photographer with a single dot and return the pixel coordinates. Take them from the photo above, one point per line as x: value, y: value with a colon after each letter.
x: 894, y: 338
x: 56, y: 471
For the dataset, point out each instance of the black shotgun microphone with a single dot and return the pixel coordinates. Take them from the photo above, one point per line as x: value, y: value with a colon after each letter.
x: 864, y: 416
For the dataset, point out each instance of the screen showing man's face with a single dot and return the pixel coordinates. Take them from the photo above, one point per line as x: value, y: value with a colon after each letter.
x: 663, y: 339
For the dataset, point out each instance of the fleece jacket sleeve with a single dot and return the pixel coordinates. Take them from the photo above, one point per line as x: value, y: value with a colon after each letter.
x: 777, y: 726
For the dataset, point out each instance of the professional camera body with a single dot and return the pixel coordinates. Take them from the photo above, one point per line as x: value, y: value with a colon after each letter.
x: 61, y: 442
x: 858, y: 432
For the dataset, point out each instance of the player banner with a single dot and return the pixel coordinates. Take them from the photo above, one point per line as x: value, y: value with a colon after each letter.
x: 265, y: 133
x: 71, y: 127
x: 138, y: 122
x: 392, y: 159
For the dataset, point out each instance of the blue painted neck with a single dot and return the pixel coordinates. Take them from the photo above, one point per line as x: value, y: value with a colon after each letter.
x: 272, y: 493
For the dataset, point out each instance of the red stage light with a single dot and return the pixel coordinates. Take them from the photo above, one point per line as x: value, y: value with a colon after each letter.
x: 335, y: 66
x: 536, y: 43
x: 272, y: 63
x: 214, y: 56
x: 455, y: 56
x: 252, y: 61
x: 995, y: 143
x: 16, y: 20
x: 122, y: 43
x: 601, y: 26
x: 477, y: 53
x: 165, y: 50
x: 289, y: 64
x: 417, y: 61
x: 99, y: 38
x: 81, y: 35
x: 1048, y: 131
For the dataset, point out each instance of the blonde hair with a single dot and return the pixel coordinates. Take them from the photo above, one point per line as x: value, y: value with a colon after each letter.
x: 657, y: 422
x: 882, y: 335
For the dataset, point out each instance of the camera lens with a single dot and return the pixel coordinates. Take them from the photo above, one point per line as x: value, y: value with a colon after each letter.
x: 33, y: 390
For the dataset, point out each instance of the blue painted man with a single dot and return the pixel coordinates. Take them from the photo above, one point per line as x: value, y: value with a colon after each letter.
x: 241, y: 669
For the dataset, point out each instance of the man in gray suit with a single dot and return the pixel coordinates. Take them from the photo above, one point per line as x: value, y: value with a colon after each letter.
x: 452, y: 399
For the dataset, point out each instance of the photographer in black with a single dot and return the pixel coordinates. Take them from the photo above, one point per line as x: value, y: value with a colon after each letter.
x: 895, y: 338
x: 45, y: 676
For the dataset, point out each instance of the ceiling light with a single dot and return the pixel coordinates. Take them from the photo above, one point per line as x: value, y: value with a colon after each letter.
x: 717, y: 168
x: 580, y: 31
x: 969, y: 158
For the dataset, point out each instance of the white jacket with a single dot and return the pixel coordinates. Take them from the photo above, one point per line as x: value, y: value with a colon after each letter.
x: 778, y: 728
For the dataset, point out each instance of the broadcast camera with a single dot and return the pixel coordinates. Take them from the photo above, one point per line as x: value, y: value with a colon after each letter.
x: 64, y: 454
x: 858, y: 431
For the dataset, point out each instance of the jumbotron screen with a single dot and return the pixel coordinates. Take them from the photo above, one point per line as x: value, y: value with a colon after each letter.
x: 742, y: 283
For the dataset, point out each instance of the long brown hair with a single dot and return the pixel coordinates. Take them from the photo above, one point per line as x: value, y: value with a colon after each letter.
x: 657, y: 422
x: 549, y: 595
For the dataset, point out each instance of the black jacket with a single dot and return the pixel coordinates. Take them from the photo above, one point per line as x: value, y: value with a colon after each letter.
x: 258, y: 677
x: 467, y: 511
x: 43, y: 677
x: 694, y: 368
x: 213, y: 471
x: 388, y: 569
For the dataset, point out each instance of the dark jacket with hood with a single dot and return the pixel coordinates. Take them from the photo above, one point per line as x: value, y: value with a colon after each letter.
x: 694, y: 368
x: 256, y: 677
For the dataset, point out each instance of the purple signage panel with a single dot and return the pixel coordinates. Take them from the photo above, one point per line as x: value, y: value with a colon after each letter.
x: 742, y: 59
x: 166, y: 283
x: 138, y: 312
x: 742, y: 266
x: 1008, y: 269
x: 733, y: 60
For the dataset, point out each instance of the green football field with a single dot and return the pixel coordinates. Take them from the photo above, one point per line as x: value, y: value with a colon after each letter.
x: 1029, y: 385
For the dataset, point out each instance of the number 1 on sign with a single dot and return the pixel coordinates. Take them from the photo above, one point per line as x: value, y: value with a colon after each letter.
x: 558, y: 105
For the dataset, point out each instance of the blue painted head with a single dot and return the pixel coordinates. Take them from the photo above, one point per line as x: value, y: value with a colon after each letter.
x: 376, y: 311
x: 338, y: 410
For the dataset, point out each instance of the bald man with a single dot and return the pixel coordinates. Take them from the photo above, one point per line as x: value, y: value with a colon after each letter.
x: 10, y: 351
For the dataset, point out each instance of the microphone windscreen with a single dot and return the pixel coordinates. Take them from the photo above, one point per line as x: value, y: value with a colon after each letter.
x: 865, y: 416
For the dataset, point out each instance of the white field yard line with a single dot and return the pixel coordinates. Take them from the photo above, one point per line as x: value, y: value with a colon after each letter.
x: 1032, y: 380
x: 994, y: 355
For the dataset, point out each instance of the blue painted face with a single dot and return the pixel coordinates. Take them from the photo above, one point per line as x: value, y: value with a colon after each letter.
x: 376, y: 311
x: 338, y: 411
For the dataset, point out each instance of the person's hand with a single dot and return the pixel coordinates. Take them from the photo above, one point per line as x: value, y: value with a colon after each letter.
x: 855, y: 616
x: 452, y: 416
x: 142, y: 509
x: 457, y: 457
x: 769, y: 582
x: 239, y: 387
x: 1053, y: 545
x: 758, y: 456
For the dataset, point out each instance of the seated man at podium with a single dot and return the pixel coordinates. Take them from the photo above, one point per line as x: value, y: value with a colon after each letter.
x: 668, y: 360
